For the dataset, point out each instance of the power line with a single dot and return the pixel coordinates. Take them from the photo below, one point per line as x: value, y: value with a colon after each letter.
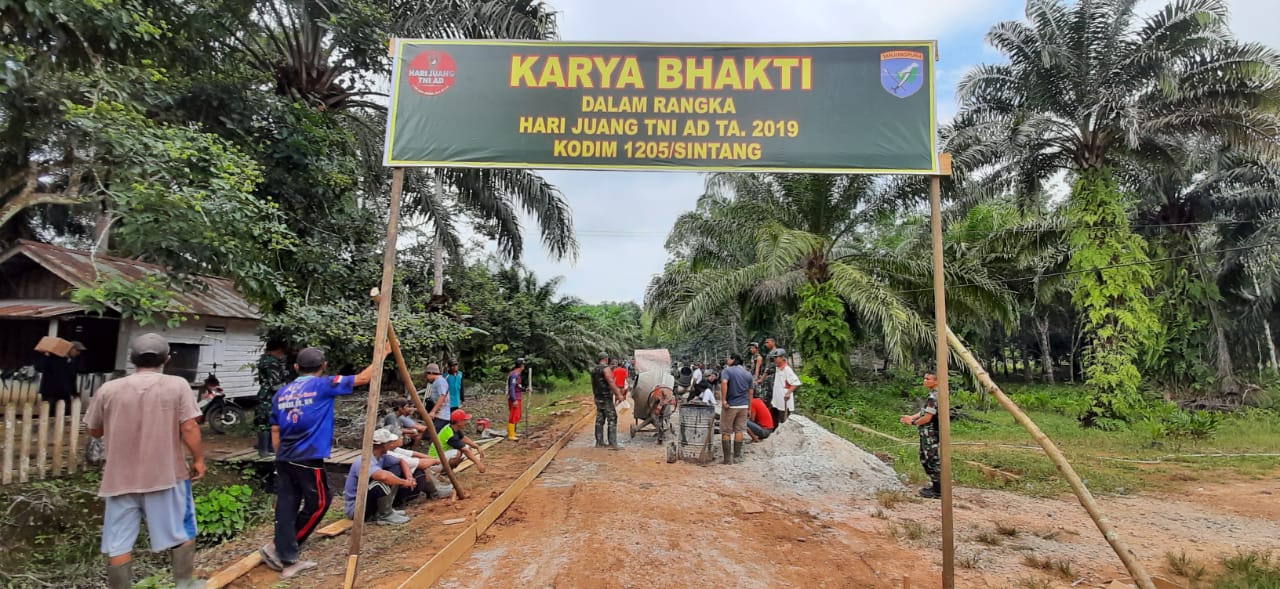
x: 1100, y: 268
x: 1267, y: 221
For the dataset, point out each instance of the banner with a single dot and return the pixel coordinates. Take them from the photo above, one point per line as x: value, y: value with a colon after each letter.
x: 824, y: 107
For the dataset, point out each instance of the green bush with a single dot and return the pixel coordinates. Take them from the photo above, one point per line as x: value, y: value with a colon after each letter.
x: 223, y: 512
x: 1196, y: 426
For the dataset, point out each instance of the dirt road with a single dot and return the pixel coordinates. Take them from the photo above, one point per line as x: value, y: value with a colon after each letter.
x: 806, y: 509
x: 606, y: 519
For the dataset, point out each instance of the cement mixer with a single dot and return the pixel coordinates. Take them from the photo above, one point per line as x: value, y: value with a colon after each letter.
x: 652, y: 394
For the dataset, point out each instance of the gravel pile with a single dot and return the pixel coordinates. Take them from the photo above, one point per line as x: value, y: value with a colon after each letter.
x: 805, y: 458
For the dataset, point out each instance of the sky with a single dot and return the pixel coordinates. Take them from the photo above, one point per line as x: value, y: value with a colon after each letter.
x: 622, y: 218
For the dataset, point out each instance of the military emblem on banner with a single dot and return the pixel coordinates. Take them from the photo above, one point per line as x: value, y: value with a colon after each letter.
x: 902, y: 72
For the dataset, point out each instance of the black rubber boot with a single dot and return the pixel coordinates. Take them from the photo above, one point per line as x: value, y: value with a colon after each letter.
x: 727, y: 447
x: 599, y: 436
x: 737, y: 450
x: 183, y: 561
x: 933, y: 492
x: 120, y: 576
x: 613, y: 437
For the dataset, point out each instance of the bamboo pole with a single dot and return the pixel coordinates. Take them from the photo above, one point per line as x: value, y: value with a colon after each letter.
x: 73, y: 448
x: 10, y: 426
x: 42, y: 439
x: 24, y: 457
x: 375, y: 385
x: 1122, y: 550
x: 59, y: 430
x: 943, y: 357
x: 412, y: 391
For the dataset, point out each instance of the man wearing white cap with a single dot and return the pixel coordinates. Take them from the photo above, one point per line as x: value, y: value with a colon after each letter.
x: 146, y: 418
x: 388, y: 483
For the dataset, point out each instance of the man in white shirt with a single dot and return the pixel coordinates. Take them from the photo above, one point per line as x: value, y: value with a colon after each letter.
x: 785, y: 382
x: 697, y: 373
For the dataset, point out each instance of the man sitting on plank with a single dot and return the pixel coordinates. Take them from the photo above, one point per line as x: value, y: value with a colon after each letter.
x: 460, y: 446
x: 389, y: 486
x: 398, y: 420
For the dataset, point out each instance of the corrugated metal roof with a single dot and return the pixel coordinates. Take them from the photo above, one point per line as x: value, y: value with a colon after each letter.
x: 218, y: 298
x: 37, y: 309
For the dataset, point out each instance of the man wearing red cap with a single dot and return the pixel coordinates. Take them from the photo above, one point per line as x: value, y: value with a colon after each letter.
x: 460, y: 446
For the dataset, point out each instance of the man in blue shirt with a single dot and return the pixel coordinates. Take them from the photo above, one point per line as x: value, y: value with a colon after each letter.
x: 302, y: 434
x: 438, y: 397
x: 455, y: 385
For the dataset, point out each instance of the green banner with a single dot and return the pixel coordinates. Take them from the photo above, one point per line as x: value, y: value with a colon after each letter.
x: 822, y: 107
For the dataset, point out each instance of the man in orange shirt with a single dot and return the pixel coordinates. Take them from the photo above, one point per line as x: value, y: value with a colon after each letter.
x: 760, y: 422
x: 620, y: 376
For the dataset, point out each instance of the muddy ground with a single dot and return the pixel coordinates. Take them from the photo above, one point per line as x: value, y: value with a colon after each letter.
x: 620, y: 519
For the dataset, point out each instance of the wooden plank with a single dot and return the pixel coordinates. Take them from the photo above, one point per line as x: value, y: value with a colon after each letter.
x: 439, y: 564
x: 10, y: 424
x: 24, y: 451
x: 335, y: 529
x: 435, y: 568
x: 500, y: 505
x: 240, y: 455
x: 42, y: 440
x: 73, y: 450
x: 59, y: 430
x: 225, y: 576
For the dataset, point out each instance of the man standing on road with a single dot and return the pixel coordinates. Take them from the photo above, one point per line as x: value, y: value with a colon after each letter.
x: 302, y: 434
x: 785, y: 382
x: 926, y: 422
x: 273, y: 372
x: 58, y: 377
x: 515, y: 393
x: 439, y: 396
x: 146, y: 419
x: 606, y: 395
x: 735, y: 402
x: 620, y: 377
x: 456, y: 394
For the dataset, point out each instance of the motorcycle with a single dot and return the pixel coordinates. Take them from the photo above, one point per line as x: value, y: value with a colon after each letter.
x: 220, y: 413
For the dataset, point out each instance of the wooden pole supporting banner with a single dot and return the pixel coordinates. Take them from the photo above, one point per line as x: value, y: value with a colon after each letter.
x: 1127, y: 556
x: 943, y: 356
x: 380, y: 345
x: 412, y: 391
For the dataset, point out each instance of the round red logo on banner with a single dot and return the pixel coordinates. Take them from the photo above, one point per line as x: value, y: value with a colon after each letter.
x: 431, y: 72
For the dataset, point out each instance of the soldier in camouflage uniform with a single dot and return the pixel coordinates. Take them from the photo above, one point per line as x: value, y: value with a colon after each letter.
x: 764, y: 382
x: 755, y: 366
x: 273, y: 371
x: 926, y: 422
x: 606, y: 394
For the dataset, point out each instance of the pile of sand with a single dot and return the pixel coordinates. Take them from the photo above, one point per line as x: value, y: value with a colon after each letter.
x: 805, y: 458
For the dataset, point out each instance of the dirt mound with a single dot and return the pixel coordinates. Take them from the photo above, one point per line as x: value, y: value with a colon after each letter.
x: 805, y: 458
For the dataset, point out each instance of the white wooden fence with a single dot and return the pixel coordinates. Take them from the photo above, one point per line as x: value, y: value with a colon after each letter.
x: 30, y: 452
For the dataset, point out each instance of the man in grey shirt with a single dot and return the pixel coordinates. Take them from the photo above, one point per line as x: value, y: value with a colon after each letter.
x: 735, y: 403
x: 439, y: 388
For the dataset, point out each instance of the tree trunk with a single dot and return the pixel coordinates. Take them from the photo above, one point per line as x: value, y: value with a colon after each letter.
x: 1225, y: 372
x: 1027, y: 371
x: 437, y: 255
x: 1046, y: 357
x: 1266, y: 326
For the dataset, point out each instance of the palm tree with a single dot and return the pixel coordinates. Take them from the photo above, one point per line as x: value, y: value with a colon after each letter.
x: 331, y: 54
x: 1088, y: 86
x: 763, y: 240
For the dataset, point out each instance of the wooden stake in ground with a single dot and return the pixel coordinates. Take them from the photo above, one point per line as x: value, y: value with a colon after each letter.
x: 1121, y: 549
x: 375, y: 385
x: 412, y: 391
x: 943, y: 356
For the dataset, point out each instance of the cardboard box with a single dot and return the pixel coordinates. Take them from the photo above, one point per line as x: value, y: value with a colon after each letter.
x: 54, y: 345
